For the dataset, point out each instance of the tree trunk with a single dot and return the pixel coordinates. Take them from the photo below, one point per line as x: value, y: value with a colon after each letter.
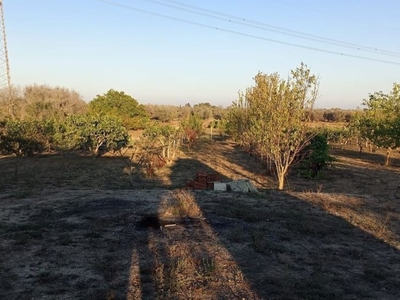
x: 387, y: 159
x: 281, y: 180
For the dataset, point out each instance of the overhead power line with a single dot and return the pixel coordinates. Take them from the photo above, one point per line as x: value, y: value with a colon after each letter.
x: 264, y: 26
x: 339, y: 16
x: 124, y: 6
x: 268, y: 27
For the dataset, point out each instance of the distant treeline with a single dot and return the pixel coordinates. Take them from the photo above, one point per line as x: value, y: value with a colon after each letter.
x: 333, y: 115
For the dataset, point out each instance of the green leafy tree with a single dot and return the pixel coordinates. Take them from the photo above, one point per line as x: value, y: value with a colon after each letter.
x: 96, y: 133
x: 380, y: 122
x: 271, y: 117
x: 119, y: 104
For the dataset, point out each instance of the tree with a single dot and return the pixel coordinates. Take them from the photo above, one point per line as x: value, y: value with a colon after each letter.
x: 119, y: 104
x: 96, y: 133
x: 162, y: 113
x: 11, y: 102
x: 381, y: 120
x: 44, y: 102
x: 271, y: 117
x: 165, y: 141
x: 192, y: 128
x: 203, y: 110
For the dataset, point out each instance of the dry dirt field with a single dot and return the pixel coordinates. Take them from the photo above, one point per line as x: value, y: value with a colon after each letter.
x: 74, y: 227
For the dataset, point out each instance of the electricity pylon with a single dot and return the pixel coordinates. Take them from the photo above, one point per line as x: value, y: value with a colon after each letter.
x: 5, y: 78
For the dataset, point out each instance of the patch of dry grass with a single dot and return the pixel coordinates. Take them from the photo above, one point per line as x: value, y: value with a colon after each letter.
x: 332, y: 239
x: 180, y: 203
x: 378, y: 221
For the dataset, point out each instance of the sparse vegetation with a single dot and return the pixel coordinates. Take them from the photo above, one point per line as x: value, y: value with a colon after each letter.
x: 122, y: 226
x: 221, y: 243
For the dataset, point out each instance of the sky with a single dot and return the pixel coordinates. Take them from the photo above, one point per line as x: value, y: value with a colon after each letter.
x: 160, y: 52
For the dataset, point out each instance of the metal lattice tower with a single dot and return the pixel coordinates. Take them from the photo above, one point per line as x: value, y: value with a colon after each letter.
x: 5, y: 78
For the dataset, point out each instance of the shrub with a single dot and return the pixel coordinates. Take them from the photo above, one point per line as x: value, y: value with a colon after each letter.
x: 25, y: 138
x: 192, y: 128
x: 316, y: 157
x: 96, y: 133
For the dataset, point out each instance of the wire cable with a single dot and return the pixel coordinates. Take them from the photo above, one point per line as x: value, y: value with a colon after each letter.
x: 264, y: 26
x: 337, y: 16
x: 244, y: 34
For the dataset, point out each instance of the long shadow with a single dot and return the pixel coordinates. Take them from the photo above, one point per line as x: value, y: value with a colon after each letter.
x: 372, y: 157
x: 231, y: 159
x: 282, y: 247
x: 67, y: 245
x: 73, y: 171
x: 187, y: 259
x: 109, y: 245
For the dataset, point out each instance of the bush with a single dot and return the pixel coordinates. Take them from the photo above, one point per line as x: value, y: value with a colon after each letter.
x: 316, y: 157
x: 96, y: 133
x: 121, y: 105
x: 25, y: 138
x: 192, y: 128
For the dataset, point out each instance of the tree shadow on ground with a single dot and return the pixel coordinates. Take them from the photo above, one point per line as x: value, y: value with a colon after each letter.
x: 371, y: 157
x: 230, y: 160
x: 73, y: 171
x: 97, y: 244
x: 281, y: 246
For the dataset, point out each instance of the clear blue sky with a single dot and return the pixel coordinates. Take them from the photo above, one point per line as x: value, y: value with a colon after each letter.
x: 91, y: 46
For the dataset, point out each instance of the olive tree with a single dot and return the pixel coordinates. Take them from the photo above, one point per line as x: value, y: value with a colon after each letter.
x: 271, y: 117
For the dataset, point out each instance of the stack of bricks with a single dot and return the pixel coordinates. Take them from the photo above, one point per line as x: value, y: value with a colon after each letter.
x: 203, y: 181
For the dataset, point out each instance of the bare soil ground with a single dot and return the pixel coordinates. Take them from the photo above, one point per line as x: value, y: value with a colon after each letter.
x: 74, y: 227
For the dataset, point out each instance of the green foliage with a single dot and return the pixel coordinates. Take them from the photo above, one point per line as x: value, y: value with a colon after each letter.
x: 67, y: 134
x: 316, y: 157
x: 96, y: 133
x: 380, y: 121
x: 164, y: 140
x: 156, y: 130
x: 340, y: 135
x: 270, y: 119
x: 25, y: 138
x: 203, y: 110
x: 119, y: 104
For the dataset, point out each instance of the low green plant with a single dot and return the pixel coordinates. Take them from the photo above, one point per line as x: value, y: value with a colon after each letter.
x: 316, y: 158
